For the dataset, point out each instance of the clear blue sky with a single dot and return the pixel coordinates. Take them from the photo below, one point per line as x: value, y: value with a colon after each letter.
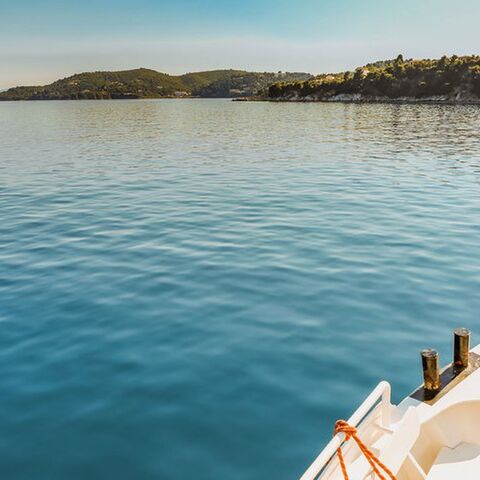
x: 43, y: 40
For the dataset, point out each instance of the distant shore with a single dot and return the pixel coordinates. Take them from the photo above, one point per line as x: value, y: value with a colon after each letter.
x: 142, y: 83
x: 345, y: 100
x: 362, y: 99
x: 359, y: 99
x: 448, y: 80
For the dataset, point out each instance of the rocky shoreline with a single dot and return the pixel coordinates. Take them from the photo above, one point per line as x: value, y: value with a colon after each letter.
x: 459, y: 99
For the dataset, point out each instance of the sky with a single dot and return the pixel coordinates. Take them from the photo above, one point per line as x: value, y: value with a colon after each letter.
x: 41, y: 41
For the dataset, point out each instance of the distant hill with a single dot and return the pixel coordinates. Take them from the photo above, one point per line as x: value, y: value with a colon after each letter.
x: 196, y: 81
x: 247, y: 84
x: 448, y: 79
x: 146, y: 83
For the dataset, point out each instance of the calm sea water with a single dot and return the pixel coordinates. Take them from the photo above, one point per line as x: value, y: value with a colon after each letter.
x: 198, y: 289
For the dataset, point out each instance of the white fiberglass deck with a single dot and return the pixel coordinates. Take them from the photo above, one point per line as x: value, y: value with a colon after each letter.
x: 416, y: 440
x: 464, y: 459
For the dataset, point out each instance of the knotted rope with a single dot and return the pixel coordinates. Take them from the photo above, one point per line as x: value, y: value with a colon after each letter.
x: 341, y: 426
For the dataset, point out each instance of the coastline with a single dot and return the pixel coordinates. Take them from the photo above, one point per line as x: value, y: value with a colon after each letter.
x: 346, y: 99
x: 362, y: 99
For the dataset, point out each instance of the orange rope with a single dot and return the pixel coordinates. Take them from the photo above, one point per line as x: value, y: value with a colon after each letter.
x: 351, y: 432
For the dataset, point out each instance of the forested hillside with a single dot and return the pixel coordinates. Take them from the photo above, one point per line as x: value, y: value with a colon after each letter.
x: 145, y: 83
x: 445, y: 79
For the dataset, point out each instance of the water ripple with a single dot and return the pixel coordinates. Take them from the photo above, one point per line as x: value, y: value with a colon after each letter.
x: 205, y: 286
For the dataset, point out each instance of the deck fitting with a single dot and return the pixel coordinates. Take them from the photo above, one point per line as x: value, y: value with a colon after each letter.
x: 449, y: 378
x: 461, y: 347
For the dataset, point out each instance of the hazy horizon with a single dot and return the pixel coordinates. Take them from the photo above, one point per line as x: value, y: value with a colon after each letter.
x: 47, y: 41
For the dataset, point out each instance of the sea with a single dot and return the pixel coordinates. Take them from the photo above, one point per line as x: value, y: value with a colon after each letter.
x: 200, y: 288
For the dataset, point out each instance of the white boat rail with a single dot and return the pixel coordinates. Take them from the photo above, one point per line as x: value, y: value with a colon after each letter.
x: 381, y: 391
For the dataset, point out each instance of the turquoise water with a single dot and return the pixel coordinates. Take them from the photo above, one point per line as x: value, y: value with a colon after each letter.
x: 200, y: 288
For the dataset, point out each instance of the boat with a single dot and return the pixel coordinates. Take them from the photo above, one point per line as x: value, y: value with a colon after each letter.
x: 433, y: 434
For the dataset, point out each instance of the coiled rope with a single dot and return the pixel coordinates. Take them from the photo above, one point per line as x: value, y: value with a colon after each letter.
x: 341, y: 426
